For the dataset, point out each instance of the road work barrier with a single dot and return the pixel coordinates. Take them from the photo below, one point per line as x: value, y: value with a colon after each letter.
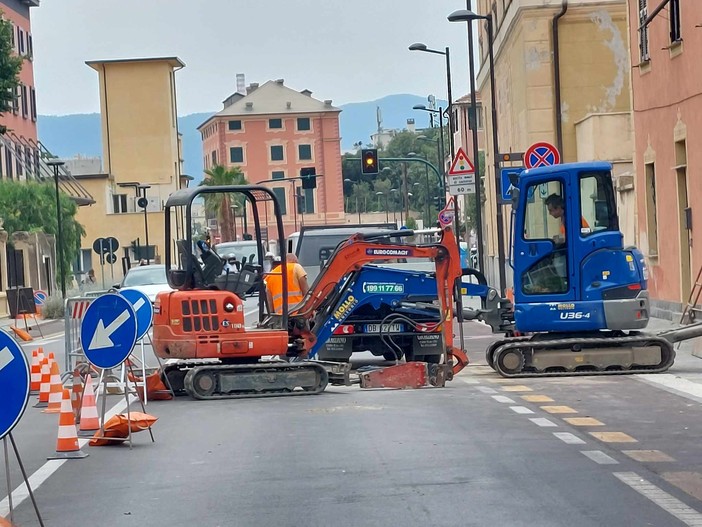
x: 75, y: 309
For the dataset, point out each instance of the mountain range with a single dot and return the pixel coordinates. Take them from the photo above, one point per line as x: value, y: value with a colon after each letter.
x: 67, y: 136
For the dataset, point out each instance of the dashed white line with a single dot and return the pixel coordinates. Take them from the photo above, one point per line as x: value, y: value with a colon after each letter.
x: 569, y: 438
x: 521, y: 410
x: 599, y: 457
x: 665, y: 501
x: 542, y: 421
x: 485, y: 389
x: 503, y: 399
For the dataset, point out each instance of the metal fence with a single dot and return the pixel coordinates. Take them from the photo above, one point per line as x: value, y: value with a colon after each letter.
x: 75, y: 310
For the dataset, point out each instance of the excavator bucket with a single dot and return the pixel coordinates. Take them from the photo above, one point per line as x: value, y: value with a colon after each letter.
x: 402, y: 376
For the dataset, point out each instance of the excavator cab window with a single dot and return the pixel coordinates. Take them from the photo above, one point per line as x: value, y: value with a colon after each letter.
x: 544, y: 220
x: 597, y: 203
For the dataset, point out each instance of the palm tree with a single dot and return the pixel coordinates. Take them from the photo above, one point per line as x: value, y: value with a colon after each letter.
x: 220, y: 205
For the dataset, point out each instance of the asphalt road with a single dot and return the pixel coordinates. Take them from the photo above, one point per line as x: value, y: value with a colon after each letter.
x: 483, y: 451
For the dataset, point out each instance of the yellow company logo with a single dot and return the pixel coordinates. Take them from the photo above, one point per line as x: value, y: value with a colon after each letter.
x: 344, y: 309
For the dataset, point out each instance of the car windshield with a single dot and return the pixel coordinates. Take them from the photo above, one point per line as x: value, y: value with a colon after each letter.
x: 145, y: 276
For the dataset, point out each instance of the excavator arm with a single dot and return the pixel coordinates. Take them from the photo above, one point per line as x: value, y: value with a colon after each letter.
x: 359, y: 250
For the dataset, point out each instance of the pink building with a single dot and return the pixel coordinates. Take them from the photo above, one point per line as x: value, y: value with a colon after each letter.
x: 273, y: 132
x: 666, y: 42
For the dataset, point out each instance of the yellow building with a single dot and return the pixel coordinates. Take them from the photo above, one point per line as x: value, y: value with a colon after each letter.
x: 141, y: 154
x: 562, y: 76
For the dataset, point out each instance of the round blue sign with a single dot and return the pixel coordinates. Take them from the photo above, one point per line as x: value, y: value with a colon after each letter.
x: 14, y: 383
x: 108, y: 331
x: 143, y: 309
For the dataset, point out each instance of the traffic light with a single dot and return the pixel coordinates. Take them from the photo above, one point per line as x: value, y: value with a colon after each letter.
x: 369, y: 161
x: 440, y: 202
x: 309, y: 177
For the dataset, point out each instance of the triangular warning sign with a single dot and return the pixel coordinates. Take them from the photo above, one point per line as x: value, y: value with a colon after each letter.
x: 461, y: 164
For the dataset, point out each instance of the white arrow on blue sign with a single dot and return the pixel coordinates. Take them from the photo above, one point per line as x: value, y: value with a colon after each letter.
x: 143, y: 309
x: 108, y: 331
x: 14, y: 383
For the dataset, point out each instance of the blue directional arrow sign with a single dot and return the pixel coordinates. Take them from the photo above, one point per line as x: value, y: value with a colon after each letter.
x: 108, y: 331
x: 14, y: 383
x: 143, y: 309
x: 506, y: 185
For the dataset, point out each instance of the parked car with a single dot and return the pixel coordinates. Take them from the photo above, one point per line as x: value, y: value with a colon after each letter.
x: 149, y: 279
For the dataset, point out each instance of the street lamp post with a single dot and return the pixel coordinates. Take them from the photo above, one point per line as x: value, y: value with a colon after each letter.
x: 355, y: 192
x: 442, y: 150
x: 464, y: 15
x: 418, y: 46
x: 426, y: 177
x: 387, y: 217
x: 144, y: 203
x: 402, y: 221
x: 55, y: 164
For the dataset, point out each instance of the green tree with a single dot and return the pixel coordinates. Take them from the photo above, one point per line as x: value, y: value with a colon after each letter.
x: 31, y: 206
x: 10, y: 66
x: 220, y: 204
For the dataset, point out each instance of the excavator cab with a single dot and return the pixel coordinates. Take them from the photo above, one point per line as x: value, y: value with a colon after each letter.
x: 571, y: 270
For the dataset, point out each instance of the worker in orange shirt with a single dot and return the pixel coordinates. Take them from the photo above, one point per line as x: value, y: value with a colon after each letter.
x: 297, y: 284
x: 556, y: 208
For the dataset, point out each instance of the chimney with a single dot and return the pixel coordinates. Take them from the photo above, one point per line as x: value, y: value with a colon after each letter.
x: 327, y: 102
x: 251, y: 88
x: 280, y: 81
x: 306, y: 92
x: 410, y: 125
x: 249, y: 106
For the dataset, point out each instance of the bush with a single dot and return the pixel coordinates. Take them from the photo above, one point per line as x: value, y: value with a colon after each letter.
x: 53, y: 308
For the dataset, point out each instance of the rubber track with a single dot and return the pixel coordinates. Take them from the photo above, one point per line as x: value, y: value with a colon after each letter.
x: 490, y: 351
x: 587, y: 342
x: 265, y: 368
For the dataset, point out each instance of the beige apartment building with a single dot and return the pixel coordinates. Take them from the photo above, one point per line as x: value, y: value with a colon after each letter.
x: 141, y: 146
x: 562, y: 76
x: 271, y: 133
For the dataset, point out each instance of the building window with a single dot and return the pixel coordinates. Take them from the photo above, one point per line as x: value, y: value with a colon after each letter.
x: 651, y: 216
x: 277, y: 153
x: 18, y: 159
x: 303, y: 124
x: 674, y: 15
x: 309, y: 201
x: 8, y: 162
x: 30, y: 47
x: 278, y: 174
x: 25, y: 102
x: 643, y: 31
x: 33, y: 103
x: 234, y: 125
x: 304, y: 152
x: 29, y: 161
x: 119, y: 203
x: 280, y: 195
x: 20, y: 40
x: 15, y: 100
x: 214, y: 157
x: 275, y: 124
x: 236, y: 154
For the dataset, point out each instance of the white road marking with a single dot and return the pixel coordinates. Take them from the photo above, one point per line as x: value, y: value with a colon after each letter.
x: 485, y: 389
x: 665, y: 501
x: 503, y: 399
x: 673, y: 384
x: 469, y: 380
x: 542, y: 421
x: 6, y: 357
x: 569, y: 438
x: 521, y: 409
x: 599, y: 457
x: 47, y: 469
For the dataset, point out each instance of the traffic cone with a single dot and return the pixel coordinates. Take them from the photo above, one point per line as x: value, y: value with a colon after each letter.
x: 45, y: 384
x: 77, y: 389
x: 89, y: 421
x: 67, y: 446
x: 55, y: 391
x: 22, y: 334
x: 35, y: 369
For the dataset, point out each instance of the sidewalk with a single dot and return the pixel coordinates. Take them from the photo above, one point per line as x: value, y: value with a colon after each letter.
x: 47, y: 326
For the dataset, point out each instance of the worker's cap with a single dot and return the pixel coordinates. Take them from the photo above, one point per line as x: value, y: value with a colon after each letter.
x: 269, y: 256
x: 231, y: 256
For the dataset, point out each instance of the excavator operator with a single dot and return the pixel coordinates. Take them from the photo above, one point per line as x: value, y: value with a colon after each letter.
x: 297, y: 283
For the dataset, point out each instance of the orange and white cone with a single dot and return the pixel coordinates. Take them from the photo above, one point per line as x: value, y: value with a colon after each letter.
x: 77, y: 389
x: 35, y: 369
x: 55, y: 391
x: 67, y: 446
x: 45, y: 384
x: 89, y: 420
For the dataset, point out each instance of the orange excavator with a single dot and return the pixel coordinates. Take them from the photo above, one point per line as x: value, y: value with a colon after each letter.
x: 201, y: 323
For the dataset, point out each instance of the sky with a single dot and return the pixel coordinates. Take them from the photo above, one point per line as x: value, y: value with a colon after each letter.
x: 347, y: 51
